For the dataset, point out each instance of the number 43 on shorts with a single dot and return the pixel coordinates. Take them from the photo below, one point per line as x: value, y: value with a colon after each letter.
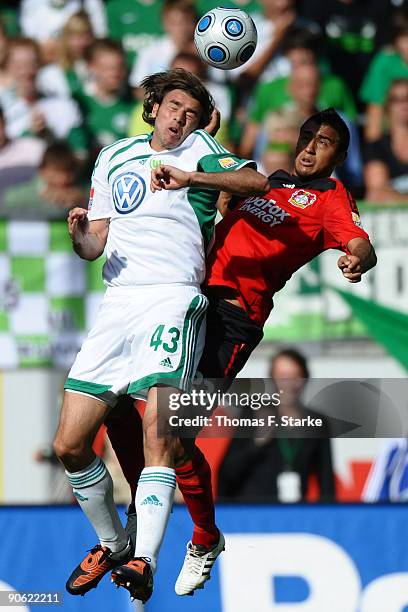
x: 172, y: 335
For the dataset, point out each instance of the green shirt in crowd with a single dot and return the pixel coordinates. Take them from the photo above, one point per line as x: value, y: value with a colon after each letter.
x: 105, y: 122
x: 386, y: 67
x: 134, y: 23
x: 275, y: 96
x: 9, y: 18
x: 250, y: 6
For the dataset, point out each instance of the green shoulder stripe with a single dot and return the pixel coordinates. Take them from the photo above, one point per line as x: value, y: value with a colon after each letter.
x: 125, y: 162
x: 107, y: 149
x: 136, y: 140
x: 211, y: 142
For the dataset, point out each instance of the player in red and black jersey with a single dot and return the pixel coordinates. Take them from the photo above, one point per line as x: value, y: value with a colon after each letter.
x: 264, y: 240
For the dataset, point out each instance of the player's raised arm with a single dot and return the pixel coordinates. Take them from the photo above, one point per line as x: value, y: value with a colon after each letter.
x: 361, y: 257
x: 88, y: 237
x: 242, y: 182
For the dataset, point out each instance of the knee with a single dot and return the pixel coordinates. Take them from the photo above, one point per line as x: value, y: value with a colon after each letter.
x: 157, y: 451
x: 69, y: 452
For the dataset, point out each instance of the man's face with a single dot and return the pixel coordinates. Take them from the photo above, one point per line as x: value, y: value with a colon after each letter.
x: 109, y: 70
x: 56, y: 177
x: 304, y: 85
x: 300, y: 57
x: 23, y: 64
x: 289, y: 378
x: 176, y: 117
x: 317, y: 151
x: 179, y: 25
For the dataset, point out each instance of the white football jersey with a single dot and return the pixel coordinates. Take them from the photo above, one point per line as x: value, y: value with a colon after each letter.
x: 156, y: 237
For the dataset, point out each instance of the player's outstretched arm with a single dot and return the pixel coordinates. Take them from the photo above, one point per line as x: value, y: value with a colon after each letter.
x: 88, y: 237
x: 242, y: 182
x: 360, y: 259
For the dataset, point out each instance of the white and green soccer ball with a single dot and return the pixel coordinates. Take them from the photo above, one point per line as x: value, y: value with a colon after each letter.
x: 225, y: 38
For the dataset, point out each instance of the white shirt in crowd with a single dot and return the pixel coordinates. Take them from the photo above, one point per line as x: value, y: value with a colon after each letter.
x: 25, y: 152
x: 44, y: 19
x: 61, y: 114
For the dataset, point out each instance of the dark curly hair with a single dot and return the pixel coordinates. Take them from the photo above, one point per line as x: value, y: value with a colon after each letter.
x: 328, y: 116
x: 157, y: 85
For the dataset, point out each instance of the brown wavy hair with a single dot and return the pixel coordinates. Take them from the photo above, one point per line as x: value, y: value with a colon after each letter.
x: 157, y: 85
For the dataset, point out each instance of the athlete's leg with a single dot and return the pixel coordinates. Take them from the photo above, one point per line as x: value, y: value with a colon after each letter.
x: 230, y: 338
x: 156, y: 486
x: 153, y: 503
x: 81, y: 417
x: 193, y: 476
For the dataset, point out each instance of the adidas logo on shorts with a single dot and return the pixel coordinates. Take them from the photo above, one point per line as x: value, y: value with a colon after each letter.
x: 151, y: 500
x: 166, y: 362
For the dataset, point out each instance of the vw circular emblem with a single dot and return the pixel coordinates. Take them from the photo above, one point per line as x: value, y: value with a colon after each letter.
x: 128, y: 191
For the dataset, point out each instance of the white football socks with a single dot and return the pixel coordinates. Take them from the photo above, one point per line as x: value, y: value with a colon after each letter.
x: 154, y: 499
x: 93, y: 488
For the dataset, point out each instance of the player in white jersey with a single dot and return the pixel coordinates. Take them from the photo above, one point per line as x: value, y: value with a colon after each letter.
x: 152, y: 206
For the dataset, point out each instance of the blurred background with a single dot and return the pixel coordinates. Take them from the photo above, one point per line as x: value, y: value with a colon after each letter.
x: 70, y: 74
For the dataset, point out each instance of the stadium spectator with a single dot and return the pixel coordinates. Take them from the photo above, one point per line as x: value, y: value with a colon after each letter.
x: 305, y: 80
x: 105, y: 105
x: 179, y: 19
x: 271, y: 468
x: 135, y: 24
x: 386, y: 167
x: 51, y: 193
x: 388, y: 478
x: 304, y: 92
x: 220, y: 93
x: 272, y: 25
x: 303, y: 89
x: 69, y: 74
x: 279, y: 141
x: 44, y: 20
x: 388, y: 65
x: 27, y: 112
x: 19, y: 159
x: 352, y: 30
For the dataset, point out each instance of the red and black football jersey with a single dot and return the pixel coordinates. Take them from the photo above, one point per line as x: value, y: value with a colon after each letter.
x: 264, y: 240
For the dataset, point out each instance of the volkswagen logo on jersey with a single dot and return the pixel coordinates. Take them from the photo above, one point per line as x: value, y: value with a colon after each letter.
x: 128, y: 191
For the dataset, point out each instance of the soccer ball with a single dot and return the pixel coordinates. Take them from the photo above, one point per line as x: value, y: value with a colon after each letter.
x: 225, y: 38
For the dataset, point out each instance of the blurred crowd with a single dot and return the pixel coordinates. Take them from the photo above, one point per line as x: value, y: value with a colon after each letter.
x: 70, y: 74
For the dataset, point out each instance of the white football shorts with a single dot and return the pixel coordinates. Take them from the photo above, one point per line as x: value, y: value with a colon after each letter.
x: 143, y: 336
